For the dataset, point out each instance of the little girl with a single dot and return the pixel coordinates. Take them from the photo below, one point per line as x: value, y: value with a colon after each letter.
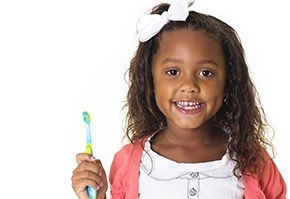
x: 196, y: 126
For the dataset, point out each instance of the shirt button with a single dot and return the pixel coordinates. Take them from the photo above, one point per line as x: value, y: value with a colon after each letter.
x: 192, y: 192
x: 194, y: 174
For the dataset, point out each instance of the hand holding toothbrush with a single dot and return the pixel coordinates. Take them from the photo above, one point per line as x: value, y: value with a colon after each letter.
x: 89, y: 176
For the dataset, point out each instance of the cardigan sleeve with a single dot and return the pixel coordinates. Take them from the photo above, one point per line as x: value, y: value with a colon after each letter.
x: 116, y: 177
x: 124, y: 173
x: 272, y: 183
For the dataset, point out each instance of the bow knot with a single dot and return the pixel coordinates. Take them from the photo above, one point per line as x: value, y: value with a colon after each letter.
x: 165, y: 16
x: 149, y: 25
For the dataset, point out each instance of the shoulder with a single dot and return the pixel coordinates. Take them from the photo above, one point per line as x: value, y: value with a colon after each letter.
x: 121, y: 157
x: 128, y: 150
x: 124, y: 151
x: 132, y: 149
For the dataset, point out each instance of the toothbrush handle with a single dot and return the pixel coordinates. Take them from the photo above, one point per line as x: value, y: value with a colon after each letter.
x: 92, y: 193
x: 89, y: 149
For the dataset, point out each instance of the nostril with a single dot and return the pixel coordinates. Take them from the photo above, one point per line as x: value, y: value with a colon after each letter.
x: 190, y: 90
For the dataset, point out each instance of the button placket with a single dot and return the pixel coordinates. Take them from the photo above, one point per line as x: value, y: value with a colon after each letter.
x: 193, y: 185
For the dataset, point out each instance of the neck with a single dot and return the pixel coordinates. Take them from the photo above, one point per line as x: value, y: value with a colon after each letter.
x: 204, y: 134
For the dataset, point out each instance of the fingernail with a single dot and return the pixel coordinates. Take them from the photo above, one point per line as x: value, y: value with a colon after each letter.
x: 100, y: 173
x: 93, y: 158
x: 97, y: 187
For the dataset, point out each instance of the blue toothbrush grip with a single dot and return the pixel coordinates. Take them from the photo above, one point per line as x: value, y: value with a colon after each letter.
x: 92, y: 193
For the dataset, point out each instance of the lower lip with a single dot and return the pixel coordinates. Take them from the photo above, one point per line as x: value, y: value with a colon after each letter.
x: 190, y: 112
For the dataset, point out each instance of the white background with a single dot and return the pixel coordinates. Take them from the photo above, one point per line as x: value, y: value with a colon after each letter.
x: 59, y: 58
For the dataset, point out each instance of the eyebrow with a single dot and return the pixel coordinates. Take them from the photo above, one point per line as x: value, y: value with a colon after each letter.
x: 175, y: 60
x: 208, y: 61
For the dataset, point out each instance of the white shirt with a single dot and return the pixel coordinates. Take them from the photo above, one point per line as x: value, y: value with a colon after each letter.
x: 161, y: 178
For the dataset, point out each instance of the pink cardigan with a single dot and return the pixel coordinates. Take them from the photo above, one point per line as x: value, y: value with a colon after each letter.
x: 124, y: 177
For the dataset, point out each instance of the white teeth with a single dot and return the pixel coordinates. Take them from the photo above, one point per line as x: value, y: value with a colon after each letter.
x: 188, y: 105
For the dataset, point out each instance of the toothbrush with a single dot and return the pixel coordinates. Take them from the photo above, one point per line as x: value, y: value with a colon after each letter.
x: 92, y: 193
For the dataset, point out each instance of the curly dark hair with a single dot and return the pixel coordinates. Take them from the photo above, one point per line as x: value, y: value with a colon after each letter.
x: 242, y: 114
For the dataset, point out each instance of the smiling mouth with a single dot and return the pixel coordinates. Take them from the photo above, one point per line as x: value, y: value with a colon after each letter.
x: 189, y: 107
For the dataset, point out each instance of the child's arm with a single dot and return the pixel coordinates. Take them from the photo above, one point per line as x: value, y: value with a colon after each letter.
x: 124, y: 173
x: 89, y: 172
x: 272, y: 183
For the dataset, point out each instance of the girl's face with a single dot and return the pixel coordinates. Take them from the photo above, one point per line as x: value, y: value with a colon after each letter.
x: 189, y: 76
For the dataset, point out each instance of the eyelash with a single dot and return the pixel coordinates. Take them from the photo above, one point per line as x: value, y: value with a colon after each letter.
x: 169, y: 72
x: 206, y: 71
x: 176, y: 72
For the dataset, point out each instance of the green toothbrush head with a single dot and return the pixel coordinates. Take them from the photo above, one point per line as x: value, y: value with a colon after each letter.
x: 87, y: 117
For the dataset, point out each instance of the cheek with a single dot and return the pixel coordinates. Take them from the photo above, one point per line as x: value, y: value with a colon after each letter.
x: 215, y: 93
x: 163, y: 93
x: 164, y: 89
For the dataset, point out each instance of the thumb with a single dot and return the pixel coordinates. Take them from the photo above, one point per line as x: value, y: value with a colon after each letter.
x: 81, y: 157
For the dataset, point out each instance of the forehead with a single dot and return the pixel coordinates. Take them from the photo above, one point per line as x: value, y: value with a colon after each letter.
x: 191, y: 44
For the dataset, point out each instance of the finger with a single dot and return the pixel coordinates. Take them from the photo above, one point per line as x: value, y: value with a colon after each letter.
x: 95, y: 167
x: 88, y: 175
x: 101, y: 170
x: 82, y: 194
x: 80, y: 157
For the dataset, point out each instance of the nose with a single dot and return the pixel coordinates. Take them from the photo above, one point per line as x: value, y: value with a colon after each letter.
x: 189, y: 85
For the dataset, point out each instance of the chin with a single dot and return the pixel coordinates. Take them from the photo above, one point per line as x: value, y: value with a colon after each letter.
x: 188, y: 126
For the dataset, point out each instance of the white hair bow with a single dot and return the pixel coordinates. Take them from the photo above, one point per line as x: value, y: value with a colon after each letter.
x: 149, y: 25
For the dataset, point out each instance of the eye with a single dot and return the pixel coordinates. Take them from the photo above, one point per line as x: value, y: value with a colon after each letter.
x: 172, y: 72
x: 205, y: 73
